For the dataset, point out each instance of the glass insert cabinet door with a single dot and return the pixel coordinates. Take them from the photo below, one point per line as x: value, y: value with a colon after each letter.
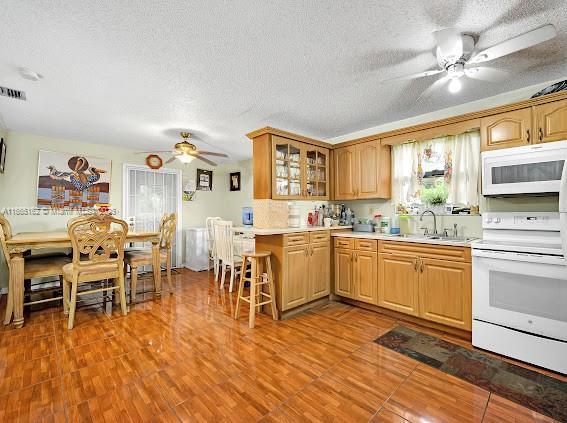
x: 299, y: 171
x: 317, y: 172
x: 287, y: 177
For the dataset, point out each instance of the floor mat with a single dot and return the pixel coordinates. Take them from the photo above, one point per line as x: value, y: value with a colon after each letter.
x: 541, y: 393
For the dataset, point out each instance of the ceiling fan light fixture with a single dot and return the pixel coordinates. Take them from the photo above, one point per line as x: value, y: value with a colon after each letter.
x: 185, y: 158
x: 455, y: 85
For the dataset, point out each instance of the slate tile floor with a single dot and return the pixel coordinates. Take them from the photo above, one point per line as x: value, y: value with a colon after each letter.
x: 184, y: 358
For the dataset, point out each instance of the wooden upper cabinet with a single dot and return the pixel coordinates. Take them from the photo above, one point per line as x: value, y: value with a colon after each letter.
x: 398, y: 283
x: 317, y: 163
x: 320, y: 270
x: 299, y: 171
x: 288, y: 178
x: 445, y: 292
x: 504, y: 130
x: 373, y: 176
x: 345, y: 176
x: 551, y: 120
x: 362, y: 171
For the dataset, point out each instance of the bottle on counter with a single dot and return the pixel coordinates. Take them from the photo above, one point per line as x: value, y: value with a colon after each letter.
x: 405, y: 228
x: 395, y: 229
x: 386, y: 225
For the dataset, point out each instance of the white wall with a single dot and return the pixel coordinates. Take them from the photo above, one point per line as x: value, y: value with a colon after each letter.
x: 18, y: 184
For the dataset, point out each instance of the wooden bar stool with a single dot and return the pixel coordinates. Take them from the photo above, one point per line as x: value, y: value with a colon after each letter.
x: 257, y: 279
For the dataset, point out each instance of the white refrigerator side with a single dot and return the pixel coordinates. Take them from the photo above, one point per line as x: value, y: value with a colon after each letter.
x: 563, y: 209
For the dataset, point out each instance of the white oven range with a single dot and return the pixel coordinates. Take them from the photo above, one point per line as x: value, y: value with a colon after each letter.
x: 520, y: 288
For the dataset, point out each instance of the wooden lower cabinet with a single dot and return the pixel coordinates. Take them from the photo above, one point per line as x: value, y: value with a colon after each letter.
x: 344, y: 285
x: 319, y: 270
x: 295, y: 286
x: 445, y: 292
x: 356, y: 274
x: 365, y: 277
x: 306, y: 273
x: 398, y: 283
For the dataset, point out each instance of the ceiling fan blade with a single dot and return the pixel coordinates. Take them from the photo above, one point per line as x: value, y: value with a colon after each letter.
x: 483, y: 73
x: 433, y: 87
x: 518, y: 43
x: 211, y: 153
x: 414, y: 75
x: 171, y: 159
x: 205, y: 160
x: 449, y: 44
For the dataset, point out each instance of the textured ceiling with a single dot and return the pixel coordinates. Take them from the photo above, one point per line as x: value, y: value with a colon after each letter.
x: 133, y: 73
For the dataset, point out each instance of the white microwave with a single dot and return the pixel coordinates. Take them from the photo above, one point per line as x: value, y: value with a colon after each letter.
x: 530, y: 170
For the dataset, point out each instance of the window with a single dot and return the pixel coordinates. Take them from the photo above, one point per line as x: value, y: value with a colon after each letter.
x: 438, y: 171
x: 148, y: 195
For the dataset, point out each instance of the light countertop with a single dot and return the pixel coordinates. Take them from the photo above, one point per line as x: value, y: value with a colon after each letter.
x: 282, y: 231
x: 420, y: 239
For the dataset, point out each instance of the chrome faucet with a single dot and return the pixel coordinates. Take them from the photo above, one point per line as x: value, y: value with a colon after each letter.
x: 434, y: 220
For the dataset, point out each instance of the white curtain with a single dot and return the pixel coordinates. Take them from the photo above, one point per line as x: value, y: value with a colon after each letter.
x: 404, y: 172
x: 463, y: 188
x: 460, y: 157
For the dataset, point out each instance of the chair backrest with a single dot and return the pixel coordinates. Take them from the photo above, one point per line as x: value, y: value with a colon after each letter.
x: 210, y: 234
x: 167, y: 228
x: 5, y: 235
x: 224, y: 244
x: 96, y: 240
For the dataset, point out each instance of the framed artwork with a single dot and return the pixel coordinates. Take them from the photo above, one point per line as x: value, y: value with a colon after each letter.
x: 2, y: 155
x: 204, y: 180
x: 235, y: 181
x: 67, y: 180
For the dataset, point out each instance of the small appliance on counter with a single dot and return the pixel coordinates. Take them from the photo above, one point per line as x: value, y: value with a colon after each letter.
x: 247, y: 216
x: 363, y: 225
x: 293, y: 219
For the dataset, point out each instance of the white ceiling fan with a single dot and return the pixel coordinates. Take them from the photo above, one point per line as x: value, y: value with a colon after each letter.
x: 457, y: 59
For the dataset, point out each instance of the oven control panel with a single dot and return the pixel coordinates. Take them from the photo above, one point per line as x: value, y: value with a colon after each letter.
x: 521, y: 221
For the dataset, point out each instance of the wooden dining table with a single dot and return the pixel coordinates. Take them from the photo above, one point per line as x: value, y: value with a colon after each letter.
x: 24, y: 242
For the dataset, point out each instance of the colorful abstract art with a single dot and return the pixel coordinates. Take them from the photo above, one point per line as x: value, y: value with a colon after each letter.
x: 72, y: 180
x: 531, y: 389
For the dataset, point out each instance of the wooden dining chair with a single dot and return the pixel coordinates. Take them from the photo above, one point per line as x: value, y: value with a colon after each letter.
x: 137, y: 258
x: 210, y: 237
x: 98, y: 254
x: 36, y: 266
x: 224, y: 244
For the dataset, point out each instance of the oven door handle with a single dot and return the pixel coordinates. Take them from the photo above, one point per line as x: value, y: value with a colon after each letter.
x: 516, y: 256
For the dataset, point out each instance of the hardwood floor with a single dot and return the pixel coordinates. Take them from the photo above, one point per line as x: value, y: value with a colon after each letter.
x: 184, y: 358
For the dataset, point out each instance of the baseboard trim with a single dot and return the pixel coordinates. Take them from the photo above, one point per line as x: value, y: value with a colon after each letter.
x: 410, y: 319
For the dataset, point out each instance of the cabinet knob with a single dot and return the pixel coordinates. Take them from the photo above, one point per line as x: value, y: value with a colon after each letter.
x: 415, y: 264
x: 540, y: 134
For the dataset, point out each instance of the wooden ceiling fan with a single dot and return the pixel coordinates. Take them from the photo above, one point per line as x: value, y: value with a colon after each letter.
x: 186, y: 152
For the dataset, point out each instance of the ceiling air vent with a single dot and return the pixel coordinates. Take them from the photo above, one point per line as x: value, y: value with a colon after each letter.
x: 8, y: 92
